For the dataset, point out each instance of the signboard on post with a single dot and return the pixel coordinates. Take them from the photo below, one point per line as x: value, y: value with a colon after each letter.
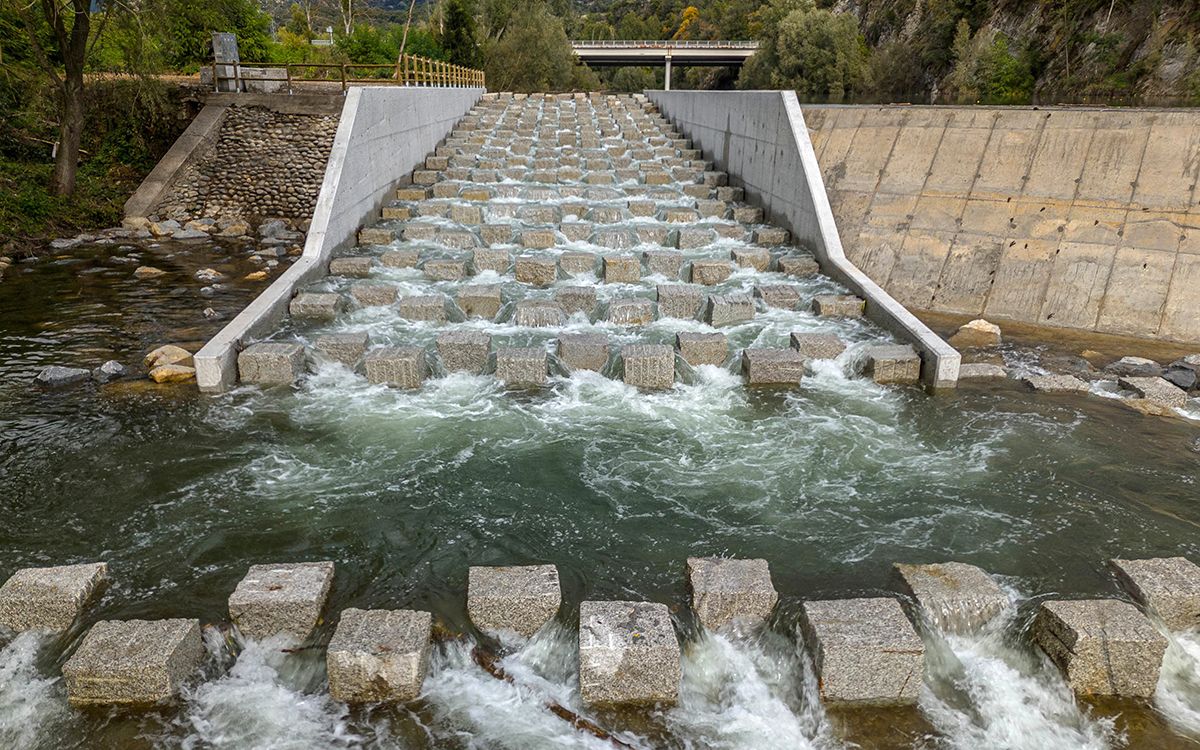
x: 226, y: 60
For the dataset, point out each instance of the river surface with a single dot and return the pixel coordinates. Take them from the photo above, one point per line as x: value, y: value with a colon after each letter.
x: 832, y: 483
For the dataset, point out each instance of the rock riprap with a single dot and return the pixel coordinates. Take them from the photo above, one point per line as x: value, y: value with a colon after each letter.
x: 133, y: 663
x: 49, y: 599
x: 1102, y: 646
x: 281, y: 600
x: 379, y: 655
x: 1168, y: 586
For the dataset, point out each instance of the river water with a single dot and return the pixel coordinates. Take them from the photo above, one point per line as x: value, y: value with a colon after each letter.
x: 832, y: 483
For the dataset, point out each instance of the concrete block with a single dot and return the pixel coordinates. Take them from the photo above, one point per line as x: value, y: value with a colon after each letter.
x: 772, y: 367
x: 727, y: 591
x: 1156, y: 390
x: 379, y: 655
x: 346, y: 348
x: 771, y: 236
x: 665, y: 262
x: 271, y: 363
x: 894, y: 363
x: 372, y: 294
x: 375, y: 236
x: 445, y: 270
x: 630, y: 311
x: 750, y: 257
x: 315, y: 306
x: 539, y: 313
x: 464, y: 351
x: 285, y: 598
x: 785, y: 296
x: 522, y: 366
x: 496, y: 234
x: 576, y: 263
x: 622, y: 269
x: 520, y: 600
x: 583, y: 351
x: 798, y: 265
x: 537, y: 271
x: 576, y: 231
x: 702, y: 348
x: 479, y: 300
x: 1055, y: 383
x: 537, y: 239
x: 679, y: 301
x: 1101, y: 646
x: 657, y: 236
x: 728, y: 309
x: 1168, y: 586
x: 709, y: 272
x: 981, y: 371
x: 487, y: 259
x: 865, y: 651
x: 398, y: 366
x: 748, y: 214
x: 838, y: 306
x: 355, y: 266
x: 648, y: 365
x: 431, y: 307
x: 575, y: 299
x: 133, y: 663
x: 817, y: 345
x: 628, y: 654
x: 956, y: 597
x: 49, y: 599
x: 400, y: 258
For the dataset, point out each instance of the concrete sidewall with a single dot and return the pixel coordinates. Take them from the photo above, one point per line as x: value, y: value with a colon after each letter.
x: 383, y: 134
x: 761, y: 140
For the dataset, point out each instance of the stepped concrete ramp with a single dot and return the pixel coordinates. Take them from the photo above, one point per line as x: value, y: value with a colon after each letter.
x: 1071, y: 218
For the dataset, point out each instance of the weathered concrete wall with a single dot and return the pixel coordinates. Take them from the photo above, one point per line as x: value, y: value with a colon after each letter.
x: 383, y: 133
x: 192, y: 145
x: 1075, y: 218
x: 761, y: 139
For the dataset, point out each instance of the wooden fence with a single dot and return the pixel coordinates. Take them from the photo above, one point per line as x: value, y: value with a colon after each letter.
x: 409, y: 70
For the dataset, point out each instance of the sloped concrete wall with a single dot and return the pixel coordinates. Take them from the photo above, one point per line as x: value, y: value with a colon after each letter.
x: 761, y: 139
x: 1073, y: 218
x: 384, y: 132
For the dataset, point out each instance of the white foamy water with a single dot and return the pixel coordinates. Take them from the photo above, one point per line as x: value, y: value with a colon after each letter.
x: 1178, y: 693
x: 30, y: 703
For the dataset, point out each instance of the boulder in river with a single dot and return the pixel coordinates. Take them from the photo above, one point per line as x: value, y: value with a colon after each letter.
x: 55, y: 376
x: 147, y: 272
x: 1135, y: 367
x: 109, y: 371
x: 168, y: 354
x: 172, y: 374
x: 976, y: 334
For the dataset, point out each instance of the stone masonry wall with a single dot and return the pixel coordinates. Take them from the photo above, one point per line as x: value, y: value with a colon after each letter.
x: 1074, y: 218
x: 263, y: 164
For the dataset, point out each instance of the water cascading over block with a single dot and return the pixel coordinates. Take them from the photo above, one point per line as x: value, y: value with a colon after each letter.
x: 798, y: 265
x: 665, y: 262
x: 583, y: 351
x: 133, y: 663
x: 771, y: 236
x: 956, y: 597
x: 49, y: 599
x: 284, y: 599
x: 373, y: 294
x: 431, y: 307
x: 315, y: 306
x: 445, y: 270
x: 710, y: 272
x: 539, y: 313
x: 575, y: 299
x: 838, y: 306
x: 375, y: 236
x: 754, y: 257
x: 772, y: 367
x: 536, y: 270
x: 521, y: 366
x: 464, y: 351
x: 1055, y: 384
x: 864, y: 650
x: 702, y: 348
x: 785, y: 296
x: 479, y: 300
x: 679, y: 301
x: 1156, y: 390
x: 622, y: 269
x: 537, y: 239
x: 725, y: 591
x: 400, y: 258
x: 346, y: 348
x: 1169, y: 586
x: 1101, y: 646
x: 728, y: 309
x: 271, y: 363
x: 894, y: 363
x: 817, y: 345
x: 398, y: 366
x: 515, y: 599
x: 379, y: 655
x: 355, y: 266
x: 630, y: 311
x: 488, y: 259
x: 577, y: 263
x: 628, y: 654
x: 648, y: 365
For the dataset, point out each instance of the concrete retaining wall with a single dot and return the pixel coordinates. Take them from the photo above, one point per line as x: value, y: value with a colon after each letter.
x: 1073, y: 218
x: 761, y: 139
x: 197, y: 140
x: 383, y: 134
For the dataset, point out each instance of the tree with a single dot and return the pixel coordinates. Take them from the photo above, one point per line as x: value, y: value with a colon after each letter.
x: 535, y: 55
x: 458, y: 35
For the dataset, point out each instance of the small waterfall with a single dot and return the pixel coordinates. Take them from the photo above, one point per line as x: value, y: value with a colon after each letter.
x: 29, y: 702
x: 1178, y: 694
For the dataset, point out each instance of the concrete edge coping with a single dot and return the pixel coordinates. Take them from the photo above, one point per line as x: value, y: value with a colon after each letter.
x: 186, y: 149
x: 940, y: 361
x: 216, y: 362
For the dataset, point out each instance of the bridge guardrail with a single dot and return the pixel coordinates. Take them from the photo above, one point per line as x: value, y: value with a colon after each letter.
x: 409, y: 70
x: 662, y: 43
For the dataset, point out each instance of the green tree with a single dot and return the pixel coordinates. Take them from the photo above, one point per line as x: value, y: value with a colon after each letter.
x: 458, y: 34
x: 298, y: 23
x: 535, y: 55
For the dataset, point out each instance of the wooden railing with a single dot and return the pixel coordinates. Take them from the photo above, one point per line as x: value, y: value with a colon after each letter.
x: 409, y: 70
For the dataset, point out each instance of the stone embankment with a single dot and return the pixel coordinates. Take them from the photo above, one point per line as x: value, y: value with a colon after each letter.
x: 1058, y: 217
x: 865, y: 651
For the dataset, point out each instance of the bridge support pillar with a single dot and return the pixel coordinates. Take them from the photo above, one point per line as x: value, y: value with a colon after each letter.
x: 667, y: 83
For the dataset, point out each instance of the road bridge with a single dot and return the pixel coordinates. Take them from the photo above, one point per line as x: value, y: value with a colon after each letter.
x: 619, y: 53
